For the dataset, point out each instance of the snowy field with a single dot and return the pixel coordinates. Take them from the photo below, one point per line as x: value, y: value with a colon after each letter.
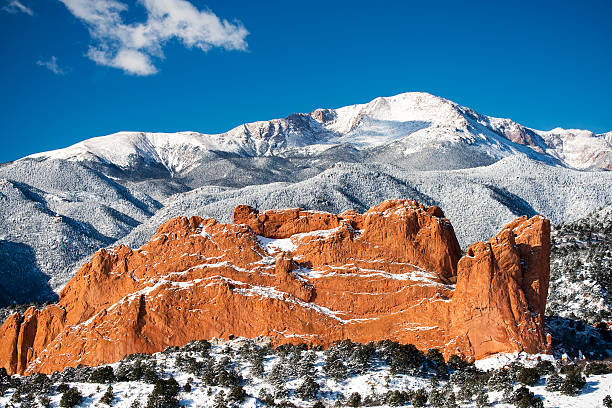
x: 284, y: 374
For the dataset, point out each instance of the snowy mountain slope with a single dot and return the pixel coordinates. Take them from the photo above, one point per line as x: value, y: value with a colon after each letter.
x: 51, y: 214
x: 581, y: 268
x: 580, y: 149
x: 477, y: 201
x: 418, y: 121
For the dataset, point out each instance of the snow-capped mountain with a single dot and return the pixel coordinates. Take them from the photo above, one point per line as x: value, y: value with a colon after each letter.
x: 408, y: 124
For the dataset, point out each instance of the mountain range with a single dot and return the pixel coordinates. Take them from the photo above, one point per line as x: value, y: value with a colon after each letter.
x: 59, y: 207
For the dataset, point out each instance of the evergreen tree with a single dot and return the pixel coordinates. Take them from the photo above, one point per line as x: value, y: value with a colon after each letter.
x: 108, y: 398
x: 334, y: 367
x: 436, y: 398
x: 554, y: 382
x: 44, y: 401
x: 528, y: 376
x: 500, y: 380
x: 266, y: 397
x: 354, y: 400
x: 451, y: 401
x: 482, y: 400
x: 219, y: 401
x: 71, y: 398
x: 165, y: 394
x: 523, y: 398
x: 236, y: 395
x: 103, y: 375
x: 188, y: 385
x: 419, y: 399
x: 309, y: 388
x: 574, y: 382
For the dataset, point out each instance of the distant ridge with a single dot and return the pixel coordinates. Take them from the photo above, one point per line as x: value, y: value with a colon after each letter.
x: 411, y: 122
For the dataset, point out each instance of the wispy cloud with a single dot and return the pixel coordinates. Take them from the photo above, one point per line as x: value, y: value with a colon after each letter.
x: 15, y: 6
x: 52, y: 66
x: 132, y: 46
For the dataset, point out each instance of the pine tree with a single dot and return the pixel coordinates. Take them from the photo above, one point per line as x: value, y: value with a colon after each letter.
x: 528, y: 376
x: 309, y: 388
x: 419, y: 399
x: 236, y: 395
x: 72, y: 397
x: 482, y: 400
x: 334, y: 367
x: 574, y: 382
x: 436, y: 399
x: 554, y: 382
x: 219, y: 401
x: 451, y: 401
x: 108, y: 398
x: 354, y: 400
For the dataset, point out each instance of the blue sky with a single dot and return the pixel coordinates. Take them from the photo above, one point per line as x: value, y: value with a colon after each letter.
x: 74, y: 69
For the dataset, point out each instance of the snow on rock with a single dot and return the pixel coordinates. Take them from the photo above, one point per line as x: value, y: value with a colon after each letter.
x: 371, y: 273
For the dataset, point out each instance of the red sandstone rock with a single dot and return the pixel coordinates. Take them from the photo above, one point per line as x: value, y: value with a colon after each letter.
x: 296, y: 275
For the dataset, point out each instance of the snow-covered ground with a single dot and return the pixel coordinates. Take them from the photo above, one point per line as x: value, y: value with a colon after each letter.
x: 377, y: 380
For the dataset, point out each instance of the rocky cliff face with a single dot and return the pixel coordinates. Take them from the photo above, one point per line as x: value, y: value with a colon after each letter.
x: 394, y: 272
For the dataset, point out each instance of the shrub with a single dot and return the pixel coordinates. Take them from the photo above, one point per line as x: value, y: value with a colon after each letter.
x: 108, y: 398
x: 406, y: 359
x: 236, y: 394
x: 456, y: 363
x: 201, y: 347
x: 354, y: 400
x: 103, y: 375
x: 309, y: 389
x: 574, y: 382
x: 436, y: 398
x: 44, y: 401
x: 266, y: 397
x: 71, y: 398
x: 500, y: 380
x: 419, y: 399
x: 359, y: 357
x: 528, y: 376
x: 63, y: 387
x: 187, y: 387
x: 451, y: 401
x: 482, y: 400
x: 597, y: 368
x: 219, y: 401
x: 607, y: 401
x: 334, y: 367
x: 164, y: 394
x: 397, y: 398
x: 554, y: 382
x: 523, y: 398
x: 545, y: 367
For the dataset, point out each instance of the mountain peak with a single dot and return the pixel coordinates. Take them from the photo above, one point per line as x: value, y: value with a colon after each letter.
x: 403, y: 124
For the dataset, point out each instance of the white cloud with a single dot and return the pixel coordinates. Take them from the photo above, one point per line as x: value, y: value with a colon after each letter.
x: 52, y: 66
x: 131, y: 46
x: 15, y: 6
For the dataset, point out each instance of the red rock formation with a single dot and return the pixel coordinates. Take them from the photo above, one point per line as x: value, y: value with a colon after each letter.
x: 295, y: 275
